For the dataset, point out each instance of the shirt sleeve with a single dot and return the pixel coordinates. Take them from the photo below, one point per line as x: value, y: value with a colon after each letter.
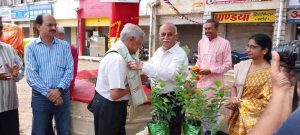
x: 68, y: 75
x: 32, y: 76
x: 18, y: 61
x: 165, y: 73
x: 291, y: 125
x: 116, y: 71
x: 226, y: 58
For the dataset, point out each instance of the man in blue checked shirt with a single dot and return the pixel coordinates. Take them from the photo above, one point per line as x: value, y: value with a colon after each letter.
x: 49, y: 71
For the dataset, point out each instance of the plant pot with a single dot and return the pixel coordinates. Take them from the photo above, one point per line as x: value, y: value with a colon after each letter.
x: 192, y: 127
x: 158, y: 128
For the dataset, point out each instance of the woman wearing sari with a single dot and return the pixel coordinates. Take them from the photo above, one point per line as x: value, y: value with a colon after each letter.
x: 251, y: 91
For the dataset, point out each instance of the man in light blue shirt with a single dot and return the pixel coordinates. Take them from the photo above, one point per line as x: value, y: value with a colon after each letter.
x: 49, y: 71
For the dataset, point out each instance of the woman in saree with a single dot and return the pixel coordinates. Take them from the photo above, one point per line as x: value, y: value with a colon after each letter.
x: 252, y: 89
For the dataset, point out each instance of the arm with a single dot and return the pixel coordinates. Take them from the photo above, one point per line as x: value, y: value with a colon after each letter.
x: 116, y: 74
x: 68, y: 76
x: 32, y: 76
x: 226, y: 61
x: 168, y: 72
x: 118, y: 93
x: 280, y: 104
x: 75, y: 57
x: 18, y: 62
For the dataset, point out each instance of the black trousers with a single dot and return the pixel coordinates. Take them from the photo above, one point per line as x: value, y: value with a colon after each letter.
x: 9, y: 122
x: 109, y: 116
x: 176, y: 121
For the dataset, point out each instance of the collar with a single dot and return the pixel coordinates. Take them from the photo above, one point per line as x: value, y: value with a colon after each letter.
x: 39, y: 40
x: 212, y: 39
x: 173, y: 49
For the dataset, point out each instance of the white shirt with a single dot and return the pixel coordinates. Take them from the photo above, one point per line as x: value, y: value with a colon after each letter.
x: 112, y: 75
x: 8, y: 88
x: 165, y: 65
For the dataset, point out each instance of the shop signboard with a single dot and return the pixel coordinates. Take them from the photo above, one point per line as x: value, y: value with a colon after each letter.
x: 36, y: 9
x: 293, y: 3
x: 293, y: 16
x: 31, y: 11
x: 209, y: 2
x: 124, y: 1
x: 246, y: 17
x: 19, y: 12
x: 5, y: 13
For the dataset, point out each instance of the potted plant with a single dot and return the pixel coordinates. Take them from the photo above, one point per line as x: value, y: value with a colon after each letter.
x: 199, y: 107
x: 162, y: 111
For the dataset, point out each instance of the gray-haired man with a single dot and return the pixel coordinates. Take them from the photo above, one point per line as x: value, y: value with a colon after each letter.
x: 112, y: 91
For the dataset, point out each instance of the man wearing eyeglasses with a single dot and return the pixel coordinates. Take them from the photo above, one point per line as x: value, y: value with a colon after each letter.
x: 164, y: 65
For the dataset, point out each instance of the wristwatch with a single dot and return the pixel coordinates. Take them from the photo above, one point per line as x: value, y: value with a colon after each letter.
x: 61, y: 90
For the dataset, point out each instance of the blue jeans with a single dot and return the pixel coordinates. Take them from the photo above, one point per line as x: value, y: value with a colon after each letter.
x: 42, y: 108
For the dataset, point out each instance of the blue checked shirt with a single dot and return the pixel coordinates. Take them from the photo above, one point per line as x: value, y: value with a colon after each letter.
x: 48, y: 67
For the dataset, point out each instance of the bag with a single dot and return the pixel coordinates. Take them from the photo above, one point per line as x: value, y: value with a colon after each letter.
x: 158, y: 128
x: 91, y: 105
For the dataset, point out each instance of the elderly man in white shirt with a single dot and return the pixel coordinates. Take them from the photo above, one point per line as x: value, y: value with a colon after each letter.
x: 109, y: 105
x: 164, y: 65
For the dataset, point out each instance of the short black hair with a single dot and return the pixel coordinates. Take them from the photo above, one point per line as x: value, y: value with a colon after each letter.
x: 215, y: 22
x: 39, y: 19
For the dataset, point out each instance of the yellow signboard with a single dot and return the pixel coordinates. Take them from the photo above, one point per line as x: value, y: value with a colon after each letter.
x: 103, y: 21
x: 245, y: 17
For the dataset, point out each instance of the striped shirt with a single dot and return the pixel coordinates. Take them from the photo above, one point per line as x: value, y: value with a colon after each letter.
x: 48, y: 66
x: 8, y: 88
x: 216, y: 56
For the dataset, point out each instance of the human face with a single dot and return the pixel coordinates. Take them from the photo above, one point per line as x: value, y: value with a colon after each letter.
x: 255, y: 51
x: 210, y: 30
x: 167, y: 36
x: 134, y: 44
x: 60, y: 36
x: 48, y: 28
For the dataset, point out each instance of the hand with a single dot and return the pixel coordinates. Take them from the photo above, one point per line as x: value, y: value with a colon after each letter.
x: 53, y: 95
x: 233, y: 103
x: 59, y: 101
x: 135, y: 65
x: 14, y: 70
x: 282, y: 78
x: 144, y: 79
x: 5, y: 76
x: 205, y: 72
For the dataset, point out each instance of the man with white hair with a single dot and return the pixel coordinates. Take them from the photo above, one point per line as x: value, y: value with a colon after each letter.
x: 109, y: 105
x: 61, y: 35
x: 164, y: 65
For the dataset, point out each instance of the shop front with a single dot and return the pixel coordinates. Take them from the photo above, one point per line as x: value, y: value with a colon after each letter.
x: 239, y: 26
x: 293, y: 20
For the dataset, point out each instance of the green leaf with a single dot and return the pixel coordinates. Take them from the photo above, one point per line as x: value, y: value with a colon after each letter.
x: 218, y: 83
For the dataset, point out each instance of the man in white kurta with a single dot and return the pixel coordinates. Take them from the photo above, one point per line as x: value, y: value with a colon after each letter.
x: 164, y: 65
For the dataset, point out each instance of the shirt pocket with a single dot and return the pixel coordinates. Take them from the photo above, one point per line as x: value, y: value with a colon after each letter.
x: 60, y: 60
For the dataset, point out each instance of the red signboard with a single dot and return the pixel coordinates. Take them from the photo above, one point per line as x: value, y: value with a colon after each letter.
x: 209, y: 2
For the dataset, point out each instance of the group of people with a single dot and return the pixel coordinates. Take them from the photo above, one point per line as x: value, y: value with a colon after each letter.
x: 50, y: 64
x: 260, y: 97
